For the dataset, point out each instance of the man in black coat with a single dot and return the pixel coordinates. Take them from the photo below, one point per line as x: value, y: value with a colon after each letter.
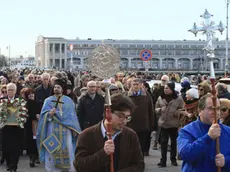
x: 12, y: 136
x: 44, y: 90
x: 91, y: 107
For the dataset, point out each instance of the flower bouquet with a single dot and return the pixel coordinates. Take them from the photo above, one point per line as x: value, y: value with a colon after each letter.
x: 17, y: 103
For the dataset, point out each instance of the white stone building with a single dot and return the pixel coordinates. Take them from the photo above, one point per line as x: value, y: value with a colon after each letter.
x: 167, y: 55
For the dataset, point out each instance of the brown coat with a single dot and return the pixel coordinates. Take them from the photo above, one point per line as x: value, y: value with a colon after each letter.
x: 143, y: 116
x: 168, y: 112
x: 91, y: 157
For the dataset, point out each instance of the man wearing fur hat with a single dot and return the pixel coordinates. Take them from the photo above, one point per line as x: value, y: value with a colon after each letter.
x: 190, y: 111
x: 57, y: 130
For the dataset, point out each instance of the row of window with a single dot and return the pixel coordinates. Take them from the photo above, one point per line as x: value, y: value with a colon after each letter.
x: 154, y: 53
x: 147, y: 46
x: 169, y: 65
x: 61, y: 47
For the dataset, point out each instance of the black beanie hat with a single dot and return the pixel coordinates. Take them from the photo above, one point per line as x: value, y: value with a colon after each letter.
x: 171, y: 85
x: 62, y: 83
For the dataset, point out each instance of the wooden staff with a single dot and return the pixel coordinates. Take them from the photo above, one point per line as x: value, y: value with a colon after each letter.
x: 214, y: 99
x: 109, y: 124
x: 109, y: 133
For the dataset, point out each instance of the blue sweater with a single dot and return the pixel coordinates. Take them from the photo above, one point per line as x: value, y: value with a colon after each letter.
x: 198, y: 150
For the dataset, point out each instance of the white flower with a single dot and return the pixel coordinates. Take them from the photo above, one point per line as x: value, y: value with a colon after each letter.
x: 21, y: 125
x: 23, y: 108
x: 1, y: 125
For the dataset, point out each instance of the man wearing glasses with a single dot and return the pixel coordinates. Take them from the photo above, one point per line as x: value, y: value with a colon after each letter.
x: 93, y: 147
x: 196, y: 141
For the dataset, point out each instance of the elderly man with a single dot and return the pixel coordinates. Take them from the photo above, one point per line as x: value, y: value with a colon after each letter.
x: 84, y: 80
x: 30, y: 81
x: 12, y: 133
x: 52, y: 80
x: 44, y: 90
x: 91, y: 107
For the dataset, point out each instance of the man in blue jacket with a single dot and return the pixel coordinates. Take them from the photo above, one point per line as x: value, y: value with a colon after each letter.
x: 196, y: 141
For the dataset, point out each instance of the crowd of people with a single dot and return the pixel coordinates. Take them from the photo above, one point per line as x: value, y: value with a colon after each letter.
x: 64, y: 124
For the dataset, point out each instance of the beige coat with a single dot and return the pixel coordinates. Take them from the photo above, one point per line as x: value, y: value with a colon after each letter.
x: 168, y: 112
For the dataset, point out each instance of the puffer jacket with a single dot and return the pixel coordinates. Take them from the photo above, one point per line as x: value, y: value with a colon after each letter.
x: 168, y: 112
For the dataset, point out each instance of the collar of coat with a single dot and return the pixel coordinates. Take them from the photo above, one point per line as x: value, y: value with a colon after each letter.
x: 130, y: 92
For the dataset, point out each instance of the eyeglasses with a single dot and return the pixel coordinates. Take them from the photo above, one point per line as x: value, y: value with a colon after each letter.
x: 200, y: 89
x: 212, y: 108
x: 91, y: 86
x: 123, y: 116
x: 224, y: 109
x: 114, y: 89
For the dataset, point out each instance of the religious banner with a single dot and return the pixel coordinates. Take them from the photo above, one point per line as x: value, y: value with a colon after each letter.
x: 13, y: 112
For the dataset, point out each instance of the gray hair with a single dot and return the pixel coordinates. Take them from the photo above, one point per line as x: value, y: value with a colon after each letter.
x: 45, y: 74
x: 12, y: 85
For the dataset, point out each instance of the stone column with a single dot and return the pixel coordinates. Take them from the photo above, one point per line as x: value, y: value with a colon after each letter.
x: 46, y: 54
x: 160, y: 63
x: 129, y: 62
x: 176, y: 63
x: 82, y: 62
x: 46, y: 58
x: 222, y: 64
x: 191, y: 64
x: 65, y: 56
x: 60, y: 55
x: 53, y: 52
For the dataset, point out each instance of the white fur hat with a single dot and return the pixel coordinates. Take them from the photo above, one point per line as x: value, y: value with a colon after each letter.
x: 184, y: 79
x: 193, y: 93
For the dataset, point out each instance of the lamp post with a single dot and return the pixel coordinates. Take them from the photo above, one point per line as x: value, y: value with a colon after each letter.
x: 71, y: 60
x: 226, y: 54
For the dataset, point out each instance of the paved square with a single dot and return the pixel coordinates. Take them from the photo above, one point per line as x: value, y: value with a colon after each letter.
x: 151, y: 164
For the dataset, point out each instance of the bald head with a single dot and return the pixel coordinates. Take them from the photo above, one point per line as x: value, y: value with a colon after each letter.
x: 164, y: 80
x: 91, y: 86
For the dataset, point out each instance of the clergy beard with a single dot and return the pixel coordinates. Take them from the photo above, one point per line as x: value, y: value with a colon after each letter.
x: 58, y: 94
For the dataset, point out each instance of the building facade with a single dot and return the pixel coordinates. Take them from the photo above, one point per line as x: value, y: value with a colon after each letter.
x: 185, y: 55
